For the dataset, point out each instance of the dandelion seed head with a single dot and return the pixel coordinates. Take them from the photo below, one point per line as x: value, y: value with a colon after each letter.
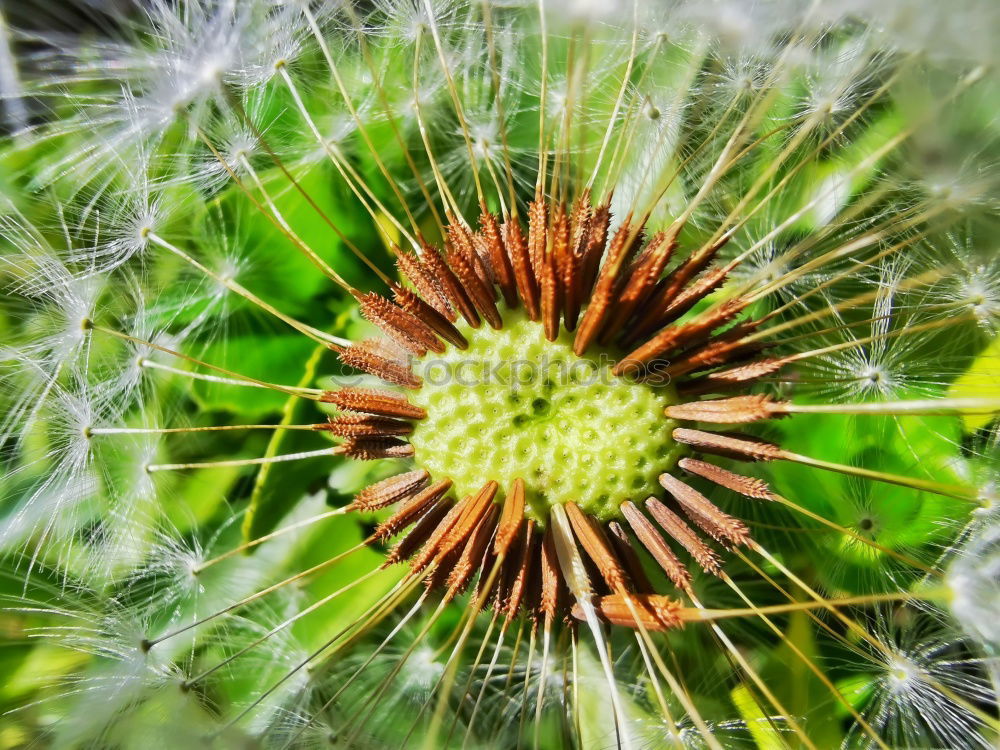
x: 485, y: 139
x: 919, y: 690
x: 423, y: 670
x: 901, y: 674
x: 765, y: 262
x: 404, y: 21
x: 740, y: 77
x: 127, y: 218
x: 273, y: 43
x: 977, y: 288
x: 972, y: 584
x: 957, y: 190
x: 61, y: 300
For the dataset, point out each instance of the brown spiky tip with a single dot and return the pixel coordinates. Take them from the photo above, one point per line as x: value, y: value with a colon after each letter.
x: 435, y: 320
x: 548, y: 276
x: 665, y: 296
x: 473, y: 548
x: 477, y: 507
x: 510, y: 595
x: 678, y: 337
x: 651, y: 611
x: 736, y: 410
x: 462, y: 241
x: 538, y: 232
x: 367, y: 426
x: 374, y: 401
x: 684, y: 535
x: 627, y: 553
x: 603, y: 295
x: 412, y: 510
x: 551, y: 590
x: 406, y: 329
x: 733, y: 377
x: 390, y: 490
x: 477, y: 290
x: 430, y: 548
x: 705, y: 284
x: 719, y: 525
x: 451, y: 286
x: 593, y: 248
x: 718, y: 349
x: 520, y: 260
x: 372, y: 357
x: 572, y: 265
x: 551, y: 273
x: 499, y: 258
x: 419, y: 535
x: 732, y: 446
x: 371, y: 449
x: 641, y: 280
x: 511, y: 519
x: 747, y: 486
x: 426, y: 283
x: 657, y: 547
x: 597, y: 547
x: 748, y: 372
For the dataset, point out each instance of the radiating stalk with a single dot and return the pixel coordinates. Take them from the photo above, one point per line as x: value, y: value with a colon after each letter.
x: 332, y: 451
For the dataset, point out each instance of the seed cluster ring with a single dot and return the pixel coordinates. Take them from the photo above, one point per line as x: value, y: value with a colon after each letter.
x: 623, y: 291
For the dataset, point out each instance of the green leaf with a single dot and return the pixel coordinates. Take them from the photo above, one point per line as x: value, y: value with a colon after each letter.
x: 270, y: 358
x: 979, y: 381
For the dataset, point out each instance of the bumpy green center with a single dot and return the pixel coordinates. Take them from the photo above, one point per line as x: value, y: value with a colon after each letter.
x: 516, y: 405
